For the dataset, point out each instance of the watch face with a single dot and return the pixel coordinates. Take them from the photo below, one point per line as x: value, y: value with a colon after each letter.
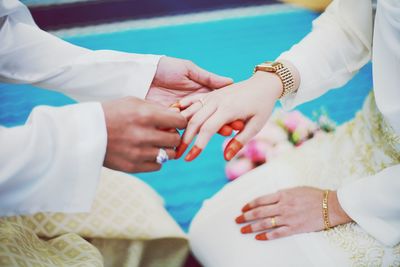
x: 269, y: 66
x: 272, y: 63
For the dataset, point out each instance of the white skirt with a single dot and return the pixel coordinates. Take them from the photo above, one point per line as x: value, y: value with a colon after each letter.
x: 357, y: 149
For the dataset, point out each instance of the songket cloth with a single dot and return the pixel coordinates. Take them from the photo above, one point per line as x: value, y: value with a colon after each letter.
x: 127, y: 226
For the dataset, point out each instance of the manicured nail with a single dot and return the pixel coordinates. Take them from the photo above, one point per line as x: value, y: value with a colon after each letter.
x: 246, y: 229
x: 180, y: 150
x: 232, y: 149
x: 240, y: 219
x: 176, y: 105
x: 262, y: 236
x: 237, y: 125
x: 246, y: 208
x: 193, y: 153
x: 225, y: 130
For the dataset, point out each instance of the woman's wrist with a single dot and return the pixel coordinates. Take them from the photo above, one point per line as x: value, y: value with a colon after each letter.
x: 272, y: 82
x: 337, y: 215
x: 268, y: 81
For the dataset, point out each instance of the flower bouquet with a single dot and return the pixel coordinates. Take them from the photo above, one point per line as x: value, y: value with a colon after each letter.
x: 283, y: 132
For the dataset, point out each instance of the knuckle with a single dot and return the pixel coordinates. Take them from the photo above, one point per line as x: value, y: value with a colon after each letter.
x: 264, y: 224
x: 283, y: 208
x: 193, y: 123
x: 130, y: 167
x: 137, y: 137
x: 206, y: 129
x: 157, y: 167
x: 144, y: 113
x: 256, y: 213
x: 282, y: 194
x: 176, y: 138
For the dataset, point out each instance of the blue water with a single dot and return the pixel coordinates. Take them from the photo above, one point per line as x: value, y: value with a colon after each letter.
x: 229, y: 47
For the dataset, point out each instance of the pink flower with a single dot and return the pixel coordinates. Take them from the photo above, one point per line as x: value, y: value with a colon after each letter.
x: 256, y: 151
x: 238, y: 167
x: 292, y: 120
x: 295, y: 119
x: 272, y: 133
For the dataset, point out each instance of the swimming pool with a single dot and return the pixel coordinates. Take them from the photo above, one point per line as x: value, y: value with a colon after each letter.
x: 228, y: 46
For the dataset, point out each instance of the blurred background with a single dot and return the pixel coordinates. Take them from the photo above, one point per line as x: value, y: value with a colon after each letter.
x: 228, y: 37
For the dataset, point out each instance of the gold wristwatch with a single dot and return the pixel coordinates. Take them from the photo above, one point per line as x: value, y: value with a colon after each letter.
x: 283, y: 73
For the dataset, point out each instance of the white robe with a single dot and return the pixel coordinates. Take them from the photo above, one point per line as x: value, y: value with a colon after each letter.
x: 338, y: 46
x: 53, y: 162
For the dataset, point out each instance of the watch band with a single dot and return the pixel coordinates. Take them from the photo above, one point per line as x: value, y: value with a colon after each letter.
x: 283, y: 72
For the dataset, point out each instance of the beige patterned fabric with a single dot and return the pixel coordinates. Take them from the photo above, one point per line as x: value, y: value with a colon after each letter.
x: 127, y: 226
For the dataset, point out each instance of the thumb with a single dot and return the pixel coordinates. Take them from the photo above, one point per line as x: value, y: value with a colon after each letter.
x: 252, y: 127
x: 208, y: 79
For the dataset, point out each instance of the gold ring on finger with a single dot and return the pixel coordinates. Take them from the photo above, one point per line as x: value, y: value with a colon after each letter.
x: 273, y: 222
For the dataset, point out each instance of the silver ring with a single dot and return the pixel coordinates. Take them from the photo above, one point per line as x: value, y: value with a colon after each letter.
x: 162, y: 156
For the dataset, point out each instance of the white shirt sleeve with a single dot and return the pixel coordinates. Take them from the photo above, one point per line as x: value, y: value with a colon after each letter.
x: 53, y: 162
x: 32, y: 56
x: 337, y: 47
x: 374, y: 203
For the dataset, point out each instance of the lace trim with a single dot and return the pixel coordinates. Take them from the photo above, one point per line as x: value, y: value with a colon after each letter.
x: 376, y: 147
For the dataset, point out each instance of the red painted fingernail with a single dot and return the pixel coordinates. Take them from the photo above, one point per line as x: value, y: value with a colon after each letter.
x: 246, y: 229
x: 246, y: 208
x: 232, y: 149
x: 225, y: 130
x: 262, y: 236
x: 193, y: 153
x: 237, y: 125
x: 240, y: 219
x: 180, y: 150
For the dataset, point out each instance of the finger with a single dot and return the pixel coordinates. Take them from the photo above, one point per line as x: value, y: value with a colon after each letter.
x: 225, y: 130
x: 237, y: 125
x: 162, y: 139
x: 252, y: 127
x: 190, y: 100
x: 175, y: 107
x: 232, y: 148
x: 208, y: 79
x: 258, y: 213
x: 261, y: 201
x: 150, y: 153
x: 194, y: 125
x: 147, y: 167
x: 210, y: 126
x: 274, y: 234
x: 167, y: 119
x: 262, y: 225
x: 191, y: 110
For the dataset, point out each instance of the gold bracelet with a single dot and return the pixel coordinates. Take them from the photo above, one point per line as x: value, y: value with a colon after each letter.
x: 325, y: 211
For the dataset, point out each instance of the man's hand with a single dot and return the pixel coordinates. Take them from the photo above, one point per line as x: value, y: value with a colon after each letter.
x: 178, y: 78
x: 136, y: 130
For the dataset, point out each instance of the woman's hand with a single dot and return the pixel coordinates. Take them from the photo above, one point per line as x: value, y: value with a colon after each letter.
x: 290, y: 211
x: 251, y: 101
